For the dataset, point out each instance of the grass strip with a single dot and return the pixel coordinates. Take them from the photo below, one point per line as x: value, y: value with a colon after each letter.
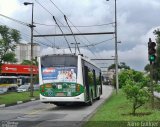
x: 116, y: 112
x: 12, y: 97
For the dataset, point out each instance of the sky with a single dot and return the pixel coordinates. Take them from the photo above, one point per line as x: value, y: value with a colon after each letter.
x: 136, y: 21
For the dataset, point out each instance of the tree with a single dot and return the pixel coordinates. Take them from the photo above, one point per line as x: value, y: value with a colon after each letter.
x: 122, y: 65
x: 9, y: 57
x: 136, y: 88
x: 136, y: 93
x: 28, y: 62
x: 8, y: 40
x: 147, y: 68
x: 129, y: 74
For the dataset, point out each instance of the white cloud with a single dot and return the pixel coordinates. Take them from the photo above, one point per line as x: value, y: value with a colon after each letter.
x: 136, y: 22
x: 137, y: 57
x: 8, y: 7
x: 149, y: 34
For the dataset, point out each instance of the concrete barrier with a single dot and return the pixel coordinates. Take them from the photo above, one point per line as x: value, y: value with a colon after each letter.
x: 2, y: 105
x: 33, y: 99
x: 19, y: 102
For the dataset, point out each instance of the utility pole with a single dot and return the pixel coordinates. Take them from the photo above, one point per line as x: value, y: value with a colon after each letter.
x: 31, y: 26
x: 116, y: 50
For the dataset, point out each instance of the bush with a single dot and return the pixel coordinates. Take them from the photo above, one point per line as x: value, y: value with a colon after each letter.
x: 135, y: 86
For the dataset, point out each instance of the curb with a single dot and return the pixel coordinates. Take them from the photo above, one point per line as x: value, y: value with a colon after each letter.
x: 2, y: 105
x: 19, y: 102
x: 33, y: 99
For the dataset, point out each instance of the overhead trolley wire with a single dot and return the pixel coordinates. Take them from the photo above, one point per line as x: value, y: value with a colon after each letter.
x: 71, y: 23
x: 73, y: 35
x: 56, y: 23
x: 62, y: 33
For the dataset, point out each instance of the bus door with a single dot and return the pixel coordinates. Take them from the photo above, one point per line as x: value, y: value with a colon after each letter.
x: 95, y: 84
x: 86, y: 82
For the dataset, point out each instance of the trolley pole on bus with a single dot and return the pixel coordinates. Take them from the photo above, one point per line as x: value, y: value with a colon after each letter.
x: 31, y: 26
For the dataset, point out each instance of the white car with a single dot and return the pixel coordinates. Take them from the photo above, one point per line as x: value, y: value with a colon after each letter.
x: 3, y: 90
x: 23, y: 88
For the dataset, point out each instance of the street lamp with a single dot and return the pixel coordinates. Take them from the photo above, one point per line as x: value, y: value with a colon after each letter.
x: 116, y: 52
x: 31, y: 26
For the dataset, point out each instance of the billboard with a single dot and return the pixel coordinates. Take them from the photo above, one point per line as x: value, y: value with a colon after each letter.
x: 18, y: 69
x: 59, y: 74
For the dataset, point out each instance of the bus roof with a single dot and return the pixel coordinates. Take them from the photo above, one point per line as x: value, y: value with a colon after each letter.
x: 83, y: 57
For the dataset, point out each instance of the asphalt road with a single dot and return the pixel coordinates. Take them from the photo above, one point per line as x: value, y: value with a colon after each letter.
x: 37, y: 114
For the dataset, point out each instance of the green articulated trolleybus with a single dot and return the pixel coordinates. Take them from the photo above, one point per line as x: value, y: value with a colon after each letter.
x: 68, y: 78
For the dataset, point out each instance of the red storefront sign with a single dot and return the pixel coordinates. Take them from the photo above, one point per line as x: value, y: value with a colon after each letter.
x: 18, y: 69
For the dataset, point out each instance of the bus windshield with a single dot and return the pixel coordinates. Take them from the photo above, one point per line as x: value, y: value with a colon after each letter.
x: 59, y: 68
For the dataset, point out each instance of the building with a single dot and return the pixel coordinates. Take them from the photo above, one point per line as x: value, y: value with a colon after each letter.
x: 23, y: 51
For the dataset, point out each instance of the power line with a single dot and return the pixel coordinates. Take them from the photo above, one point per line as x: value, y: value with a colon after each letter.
x: 45, y: 38
x: 15, y: 20
x: 29, y: 36
x: 97, y: 43
x: 47, y: 10
x: 55, y: 22
x: 62, y: 23
x: 69, y: 21
x: 22, y: 23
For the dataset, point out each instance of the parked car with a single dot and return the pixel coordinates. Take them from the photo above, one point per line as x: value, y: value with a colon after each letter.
x: 23, y: 88
x: 12, y: 89
x: 3, y: 90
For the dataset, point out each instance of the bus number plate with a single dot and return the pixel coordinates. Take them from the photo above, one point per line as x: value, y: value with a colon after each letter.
x: 60, y: 94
